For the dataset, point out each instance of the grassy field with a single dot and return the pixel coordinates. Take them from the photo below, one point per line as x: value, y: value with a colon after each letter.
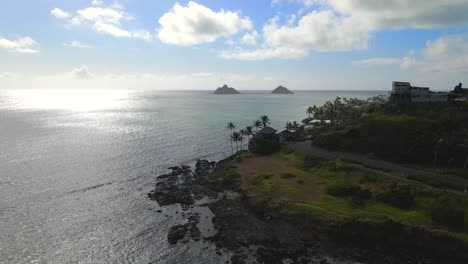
x: 318, y: 192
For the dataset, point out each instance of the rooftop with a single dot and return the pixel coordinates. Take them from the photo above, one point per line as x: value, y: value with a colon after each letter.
x: 267, y: 131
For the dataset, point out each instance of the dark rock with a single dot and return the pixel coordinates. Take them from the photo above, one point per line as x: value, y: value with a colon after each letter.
x: 174, y: 187
x: 177, y: 233
x: 281, y: 90
x: 226, y: 90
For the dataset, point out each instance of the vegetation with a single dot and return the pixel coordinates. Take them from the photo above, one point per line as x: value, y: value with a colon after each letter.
x: 263, y: 145
x: 333, y: 196
x: 414, y: 133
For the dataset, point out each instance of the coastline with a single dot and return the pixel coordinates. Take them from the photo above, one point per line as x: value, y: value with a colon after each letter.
x: 244, y: 232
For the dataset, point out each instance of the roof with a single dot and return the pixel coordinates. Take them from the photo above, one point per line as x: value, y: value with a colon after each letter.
x: 266, y: 131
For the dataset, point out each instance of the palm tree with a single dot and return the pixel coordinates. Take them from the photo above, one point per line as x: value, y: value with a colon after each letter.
x: 295, y: 125
x: 243, y: 133
x: 310, y: 110
x: 257, y: 124
x: 248, y: 132
x: 231, y: 126
x: 236, y: 136
x: 265, y: 120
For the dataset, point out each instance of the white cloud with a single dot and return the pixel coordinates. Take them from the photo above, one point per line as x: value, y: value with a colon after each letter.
x: 8, y: 75
x: 21, y: 45
x: 108, y: 20
x: 77, y: 44
x: 445, y: 54
x: 319, y: 30
x: 81, y: 73
x: 264, y: 53
x: 250, y: 38
x: 377, y: 61
x: 196, y: 24
x: 344, y: 25
x: 97, y: 2
x: 59, y: 13
x: 404, y: 14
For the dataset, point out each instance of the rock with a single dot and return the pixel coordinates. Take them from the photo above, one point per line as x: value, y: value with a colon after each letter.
x: 226, y: 90
x: 176, y: 233
x: 239, y: 258
x: 281, y: 90
x: 174, y: 187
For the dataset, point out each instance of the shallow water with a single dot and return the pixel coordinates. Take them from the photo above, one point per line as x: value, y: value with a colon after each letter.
x: 76, y: 165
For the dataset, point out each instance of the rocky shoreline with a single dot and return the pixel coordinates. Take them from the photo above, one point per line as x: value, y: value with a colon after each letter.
x: 249, y: 236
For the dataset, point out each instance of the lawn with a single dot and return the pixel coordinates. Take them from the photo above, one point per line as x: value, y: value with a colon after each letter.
x: 315, y: 191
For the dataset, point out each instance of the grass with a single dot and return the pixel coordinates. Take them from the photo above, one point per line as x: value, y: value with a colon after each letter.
x: 315, y: 191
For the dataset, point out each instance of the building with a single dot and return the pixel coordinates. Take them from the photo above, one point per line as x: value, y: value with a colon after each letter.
x: 404, y: 92
x: 265, y: 141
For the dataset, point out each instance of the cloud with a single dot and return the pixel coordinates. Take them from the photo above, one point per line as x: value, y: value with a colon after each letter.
x: 396, y: 14
x: 97, y: 2
x: 377, y: 61
x: 319, y: 30
x: 196, y: 24
x: 81, y: 73
x: 21, y: 45
x: 59, y: 13
x: 108, y: 20
x: 264, y: 53
x: 444, y: 54
x: 345, y: 25
x: 77, y: 44
x: 250, y: 38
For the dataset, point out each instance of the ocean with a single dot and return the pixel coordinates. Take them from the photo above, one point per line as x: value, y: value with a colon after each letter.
x: 76, y: 167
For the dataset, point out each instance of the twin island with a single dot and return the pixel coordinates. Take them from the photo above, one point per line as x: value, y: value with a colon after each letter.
x: 229, y: 90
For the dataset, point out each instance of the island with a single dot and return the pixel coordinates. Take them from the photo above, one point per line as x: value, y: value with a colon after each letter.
x: 281, y: 90
x: 226, y: 90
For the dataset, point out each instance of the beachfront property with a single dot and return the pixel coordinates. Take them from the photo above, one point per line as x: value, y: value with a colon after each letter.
x: 405, y: 92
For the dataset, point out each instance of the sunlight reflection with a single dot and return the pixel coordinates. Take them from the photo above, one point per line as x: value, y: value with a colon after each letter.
x: 75, y: 100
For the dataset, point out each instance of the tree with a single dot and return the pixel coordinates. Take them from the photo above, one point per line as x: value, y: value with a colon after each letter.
x: 310, y: 110
x: 295, y: 125
x: 265, y: 120
x: 236, y: 136
x: 231, y: 126
x: 248, y: 132
x: 288, y: 126
x: 257, y: 124
x: 243, y: 133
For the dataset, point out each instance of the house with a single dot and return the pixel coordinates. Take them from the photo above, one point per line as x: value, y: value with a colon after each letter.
x: 265, y: 141
x: 405, y: 92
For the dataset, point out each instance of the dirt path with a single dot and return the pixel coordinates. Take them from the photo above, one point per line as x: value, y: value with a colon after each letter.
x: 307, y: 147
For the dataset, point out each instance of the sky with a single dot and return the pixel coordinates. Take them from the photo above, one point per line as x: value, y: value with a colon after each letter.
x: 249, y: 45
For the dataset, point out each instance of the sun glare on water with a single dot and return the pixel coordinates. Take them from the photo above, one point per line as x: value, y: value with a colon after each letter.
x: 67, y: 99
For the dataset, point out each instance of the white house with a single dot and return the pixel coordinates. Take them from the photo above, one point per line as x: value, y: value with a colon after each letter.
x: 403, y: 91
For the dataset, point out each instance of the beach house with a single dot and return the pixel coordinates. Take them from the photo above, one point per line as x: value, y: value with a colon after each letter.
x: 405, y: 92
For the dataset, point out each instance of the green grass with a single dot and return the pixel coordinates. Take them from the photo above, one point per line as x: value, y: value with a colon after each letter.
x: 335, y: 192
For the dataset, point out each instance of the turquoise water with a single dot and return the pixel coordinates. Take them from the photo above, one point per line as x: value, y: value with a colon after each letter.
x: 76, y: 165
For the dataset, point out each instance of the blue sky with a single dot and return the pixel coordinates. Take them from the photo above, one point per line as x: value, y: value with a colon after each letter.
x: 303, y: 44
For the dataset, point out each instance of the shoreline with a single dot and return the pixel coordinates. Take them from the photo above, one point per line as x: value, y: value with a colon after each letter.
x: 245, y: 233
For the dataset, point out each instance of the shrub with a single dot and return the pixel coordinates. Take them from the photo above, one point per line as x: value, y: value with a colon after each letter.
x: 288, y: 176
x: 311, y: 161
x: 286, y: 151
x: 343, y: 189
x: 331, y: 139
x: 447, y: 211
x: 370, y: 178
x: 263, y: 202
x: 260, y: 178
x: 399, y: 195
